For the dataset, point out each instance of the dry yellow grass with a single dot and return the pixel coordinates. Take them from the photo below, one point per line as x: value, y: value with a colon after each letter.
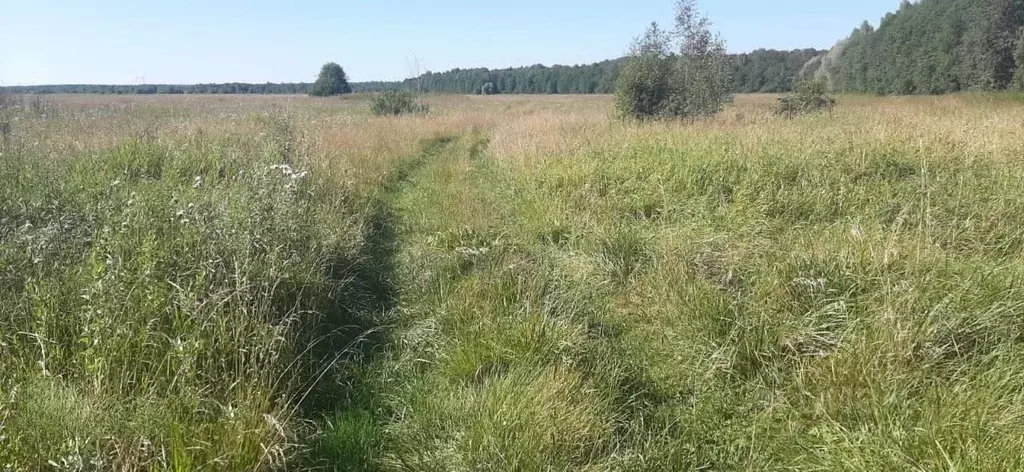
x: 981, y: 125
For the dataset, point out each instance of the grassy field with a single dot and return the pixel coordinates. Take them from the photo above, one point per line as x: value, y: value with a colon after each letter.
x: 510, y: 283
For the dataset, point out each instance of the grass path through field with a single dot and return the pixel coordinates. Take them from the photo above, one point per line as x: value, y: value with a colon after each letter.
x: 519, y: 340
x: 491, y: 359
x: 699, y: 305
x: 512, y: 345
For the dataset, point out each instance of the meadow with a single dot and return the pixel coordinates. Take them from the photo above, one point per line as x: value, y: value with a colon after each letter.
x: 510, y: 283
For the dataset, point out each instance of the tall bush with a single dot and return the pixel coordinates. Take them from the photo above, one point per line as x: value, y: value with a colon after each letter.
x: 684, y: 74
x: 396, y: 102
x: 643, y: 89
x: 808, y: 96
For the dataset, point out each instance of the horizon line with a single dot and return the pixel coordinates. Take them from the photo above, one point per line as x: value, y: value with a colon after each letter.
x: 395, y: 81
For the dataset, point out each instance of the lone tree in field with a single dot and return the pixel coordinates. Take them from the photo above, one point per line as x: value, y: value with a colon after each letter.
x: 332, y: 81
x: 683, y: 74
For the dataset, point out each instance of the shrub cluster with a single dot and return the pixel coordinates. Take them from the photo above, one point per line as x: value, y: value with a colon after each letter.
x: 809, y: 96
x: 395, y: 103
x: 682, y: 74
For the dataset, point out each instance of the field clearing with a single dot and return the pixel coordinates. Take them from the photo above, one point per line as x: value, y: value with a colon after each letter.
x: 510, y: 283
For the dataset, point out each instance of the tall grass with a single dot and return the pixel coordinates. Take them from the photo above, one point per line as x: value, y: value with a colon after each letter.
x: 171, y: 301
x: 511, y: 283
x: 744, y: 293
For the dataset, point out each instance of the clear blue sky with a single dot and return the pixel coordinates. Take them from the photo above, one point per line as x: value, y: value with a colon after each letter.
x: 191, y: 41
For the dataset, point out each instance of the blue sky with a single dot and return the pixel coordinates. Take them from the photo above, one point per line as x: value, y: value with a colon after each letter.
x: 191, y: 41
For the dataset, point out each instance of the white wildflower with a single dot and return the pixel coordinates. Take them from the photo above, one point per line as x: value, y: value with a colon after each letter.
x: 812, y: 285
x: 293, y: 176
x: 472, y: 251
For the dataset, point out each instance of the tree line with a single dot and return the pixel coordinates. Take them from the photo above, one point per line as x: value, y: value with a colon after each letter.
x: 764, y: 70
x: 927, y: 47
x: 933, y: 47
x: 591, y: 78
x: 226, y: 88
x: 770, y: 70
x: 760, y: 71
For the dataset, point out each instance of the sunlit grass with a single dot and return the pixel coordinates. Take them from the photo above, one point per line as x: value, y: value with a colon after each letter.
x: 511, y: 283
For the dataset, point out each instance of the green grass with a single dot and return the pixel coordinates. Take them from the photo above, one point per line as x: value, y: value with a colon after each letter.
x: 524, y: 286
x: 699, y: 306
x: 165, y: 302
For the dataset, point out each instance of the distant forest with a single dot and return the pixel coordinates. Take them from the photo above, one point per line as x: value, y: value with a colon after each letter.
x: 933, y: 47
x: 758, y: 71
x: 927, y: 47
x: 229, y: 88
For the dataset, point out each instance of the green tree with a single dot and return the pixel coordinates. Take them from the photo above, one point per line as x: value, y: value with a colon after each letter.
x: 932, y: 46
x: 701, y: 84
x: 694, y: 82
x: 643, y: 88
x: 332, y: 81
